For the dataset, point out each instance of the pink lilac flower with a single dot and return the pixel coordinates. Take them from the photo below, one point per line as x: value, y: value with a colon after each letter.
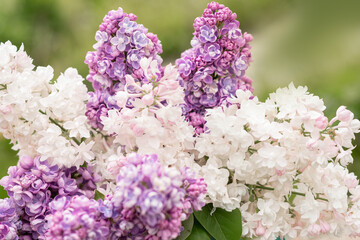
x: 34, y: 183
x: 150, y: 200
x: 121, y: 44
x: 214, y: 68
x: 77, y: 217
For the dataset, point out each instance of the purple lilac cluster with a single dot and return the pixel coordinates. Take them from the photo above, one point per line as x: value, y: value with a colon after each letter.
x: 214, y: 68
x: 77, y: 217
x: 33, y: 184
x: 121, y: 44
x: 9, y: 219
x: 150, y: 200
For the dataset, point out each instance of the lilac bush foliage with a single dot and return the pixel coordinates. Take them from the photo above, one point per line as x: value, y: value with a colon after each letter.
x: 121, y: 44
x: 31, y: 186
x: 214, y: 68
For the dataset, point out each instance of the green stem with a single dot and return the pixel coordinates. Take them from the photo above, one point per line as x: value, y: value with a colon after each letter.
x: 62, y: 128
x: 98, y: 132
x: 293, y: 192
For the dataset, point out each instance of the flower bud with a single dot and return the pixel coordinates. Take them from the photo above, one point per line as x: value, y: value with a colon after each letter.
x: 148, y: 99
x: 325, y: 226
x: 321, y: 122
x: 314, y: 229
x: 344, y: 115
x: 26, y: 162
x: 260, y: 230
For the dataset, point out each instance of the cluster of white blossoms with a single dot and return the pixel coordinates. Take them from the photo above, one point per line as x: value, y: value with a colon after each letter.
x: 152, y: 125
x: 42, y: 116
x: 283, y: 164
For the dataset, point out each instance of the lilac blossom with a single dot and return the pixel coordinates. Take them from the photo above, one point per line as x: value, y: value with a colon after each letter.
x: 77, y: 217
x: 212, y: 51
x: 127, y: 26
x: 33, y: 184
x: 120, y: 41
x: 207, y: 34
x: 240, y: 65
x: 117, y: 56
x: 8, y: 219
x: 134, y: 58
x: 139, y: 39
x: 185, y: 66
x: 219, y: 45
x: 150, y: 200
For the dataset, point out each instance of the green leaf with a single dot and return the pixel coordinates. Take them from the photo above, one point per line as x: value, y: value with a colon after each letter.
x: 198, y: 232
x: 222, y: 225
x: 188, y: 226
x: 98, y: 195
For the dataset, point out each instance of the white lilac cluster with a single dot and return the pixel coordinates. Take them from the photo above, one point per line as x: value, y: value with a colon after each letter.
x: 154, y: 125
x: 32, y: 105
x: 283, y: 164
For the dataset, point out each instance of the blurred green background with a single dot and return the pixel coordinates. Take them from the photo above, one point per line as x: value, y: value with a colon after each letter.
x: 313, y: 43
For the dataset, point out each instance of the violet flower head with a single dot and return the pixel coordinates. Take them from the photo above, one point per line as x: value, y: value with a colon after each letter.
x: 150, y: 200
x: 219, y: 45
x: 77, y: 217
x: 32, y: 185
x: 121, y: 44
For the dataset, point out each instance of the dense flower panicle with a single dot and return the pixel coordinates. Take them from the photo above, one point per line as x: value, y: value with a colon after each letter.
x: 153, y: 124
x: 273, y: 152
x: 150, y: 200
x: 214, y: 68
x: 33, y: 184
x: 31, y: 104
x: 121, y: 44
x: 77, y: 217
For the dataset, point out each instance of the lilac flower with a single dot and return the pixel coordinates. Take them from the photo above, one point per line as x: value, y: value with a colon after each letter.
x: 8, y: 231
x: 139, y: 39
x: 197, y: 121
x: 120, y: 41
x: 228, y: 85
x: 100, y: 37
x: 240, y: 65
x: 127, y: 26
x: 209, y: 100
x: 207, y: 34
x: 212, y: 51
x: 115, y: 57
x: 204, y: 75
x: 103, y: 65
x: 7, y: 208
x: 32, y: 185
x: 232, y: 30
x: 119, y: 70
x: 150, y: 201
x: 134, y: 57
x: 76, y: 218
x: 219, y: 45
x: 185, y: 66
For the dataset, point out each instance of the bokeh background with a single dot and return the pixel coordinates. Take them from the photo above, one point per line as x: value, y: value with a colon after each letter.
x: 313, y: 43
